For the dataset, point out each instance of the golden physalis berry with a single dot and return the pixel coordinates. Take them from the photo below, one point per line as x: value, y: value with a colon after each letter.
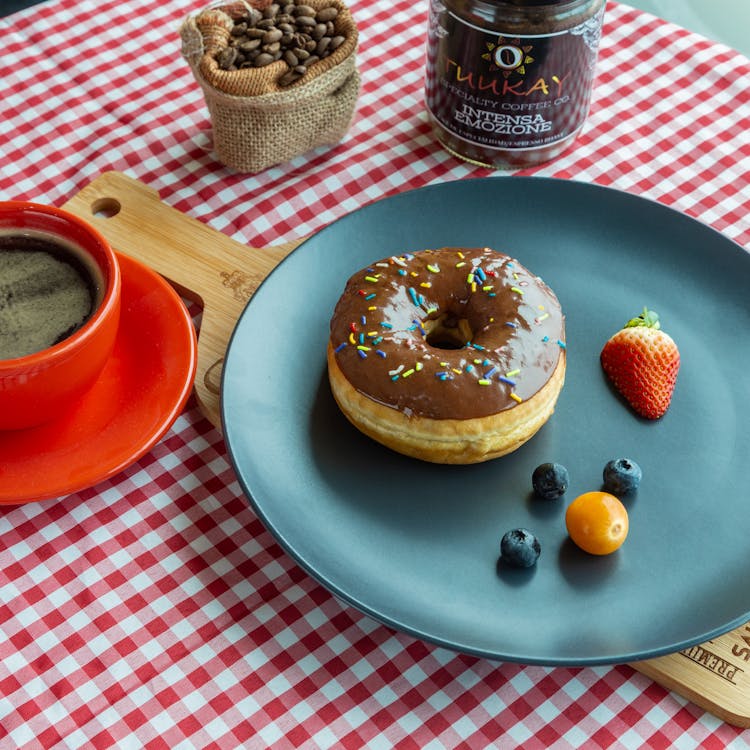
x: 597, y: 522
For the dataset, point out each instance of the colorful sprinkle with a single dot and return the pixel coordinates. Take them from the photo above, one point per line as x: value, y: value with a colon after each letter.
x: 490, y: 372
x: 372, y: 279
x: 483, y: 381
x: 512, y: 373
x: 370, y: 296
x: 506, y: 380
x: 516, y: 289
x: 386, y: 325
x: 516, y: 398
x: 362, y: 354
x: 410, y: 371
x: 561, y: 344
x: 542, y: 317
x: 340, y: 347
x: 381, y: 353
x: 413, y: 296
x: 433, y: 268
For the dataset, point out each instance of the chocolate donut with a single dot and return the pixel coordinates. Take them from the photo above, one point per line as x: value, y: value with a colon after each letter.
x: 454, y: 355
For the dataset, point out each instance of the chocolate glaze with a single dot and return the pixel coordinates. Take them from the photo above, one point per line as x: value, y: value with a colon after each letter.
x: 388, y: 348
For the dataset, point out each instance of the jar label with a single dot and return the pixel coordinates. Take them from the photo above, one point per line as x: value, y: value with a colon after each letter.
x: 509, y: 91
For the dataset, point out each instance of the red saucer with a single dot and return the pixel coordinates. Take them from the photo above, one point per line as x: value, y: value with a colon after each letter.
x: 137, y: 398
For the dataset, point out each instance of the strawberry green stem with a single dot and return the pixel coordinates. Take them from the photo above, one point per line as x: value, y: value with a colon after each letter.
x: 648, y: 318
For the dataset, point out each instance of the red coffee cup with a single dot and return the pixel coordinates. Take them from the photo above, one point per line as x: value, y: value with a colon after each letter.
x: 39, y: 385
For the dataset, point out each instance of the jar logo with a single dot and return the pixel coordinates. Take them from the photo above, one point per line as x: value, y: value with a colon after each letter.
x: 508, y: 56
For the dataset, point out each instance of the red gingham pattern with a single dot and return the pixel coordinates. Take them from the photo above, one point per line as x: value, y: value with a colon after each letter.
x: 155, y: 610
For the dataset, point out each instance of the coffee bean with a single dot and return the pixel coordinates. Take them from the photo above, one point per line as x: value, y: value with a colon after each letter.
x: 272, y: 35
x: 249, y: 45
x: 263, y: 59
x: 318, y: 31
x: 226, y: 57
x: 300, y: 54
x: 289, y: 77
x: 336, y: 42
x: 271, y: 11
x: 310, y: 61
x: 304, y: 11
x: 326, y: 14
x: 304, y: 22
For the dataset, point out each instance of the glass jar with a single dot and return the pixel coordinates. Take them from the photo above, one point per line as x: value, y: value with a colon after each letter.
x: 508, y: 83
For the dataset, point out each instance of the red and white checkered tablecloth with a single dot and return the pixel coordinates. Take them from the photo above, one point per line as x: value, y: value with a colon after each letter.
x: 154, y: 610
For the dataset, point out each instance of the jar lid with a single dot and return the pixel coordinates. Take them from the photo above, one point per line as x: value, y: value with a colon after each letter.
x: 538, y: 3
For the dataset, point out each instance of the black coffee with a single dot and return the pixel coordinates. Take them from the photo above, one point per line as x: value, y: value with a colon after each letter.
x: 48, y: 290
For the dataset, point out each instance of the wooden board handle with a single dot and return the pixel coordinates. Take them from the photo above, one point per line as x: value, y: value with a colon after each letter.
x: 204, y: 265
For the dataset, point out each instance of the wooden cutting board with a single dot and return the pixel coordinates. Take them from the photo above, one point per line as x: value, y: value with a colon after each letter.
x: 209, y: 268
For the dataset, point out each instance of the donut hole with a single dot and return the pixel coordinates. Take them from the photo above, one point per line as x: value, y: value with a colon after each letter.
x: 448, y: 331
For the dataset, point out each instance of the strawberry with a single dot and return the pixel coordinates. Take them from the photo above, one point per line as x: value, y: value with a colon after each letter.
x: 642, y: 362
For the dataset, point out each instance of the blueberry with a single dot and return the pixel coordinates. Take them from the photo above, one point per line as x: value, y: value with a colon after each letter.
x: 550, y: 481
x: 622, y: 476
x: 520, y: 548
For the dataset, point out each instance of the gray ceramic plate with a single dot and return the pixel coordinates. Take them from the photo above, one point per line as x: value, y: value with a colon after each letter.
x: 415, y: 545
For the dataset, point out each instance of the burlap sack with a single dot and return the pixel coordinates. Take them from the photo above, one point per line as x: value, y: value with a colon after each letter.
x: 257, y: 122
